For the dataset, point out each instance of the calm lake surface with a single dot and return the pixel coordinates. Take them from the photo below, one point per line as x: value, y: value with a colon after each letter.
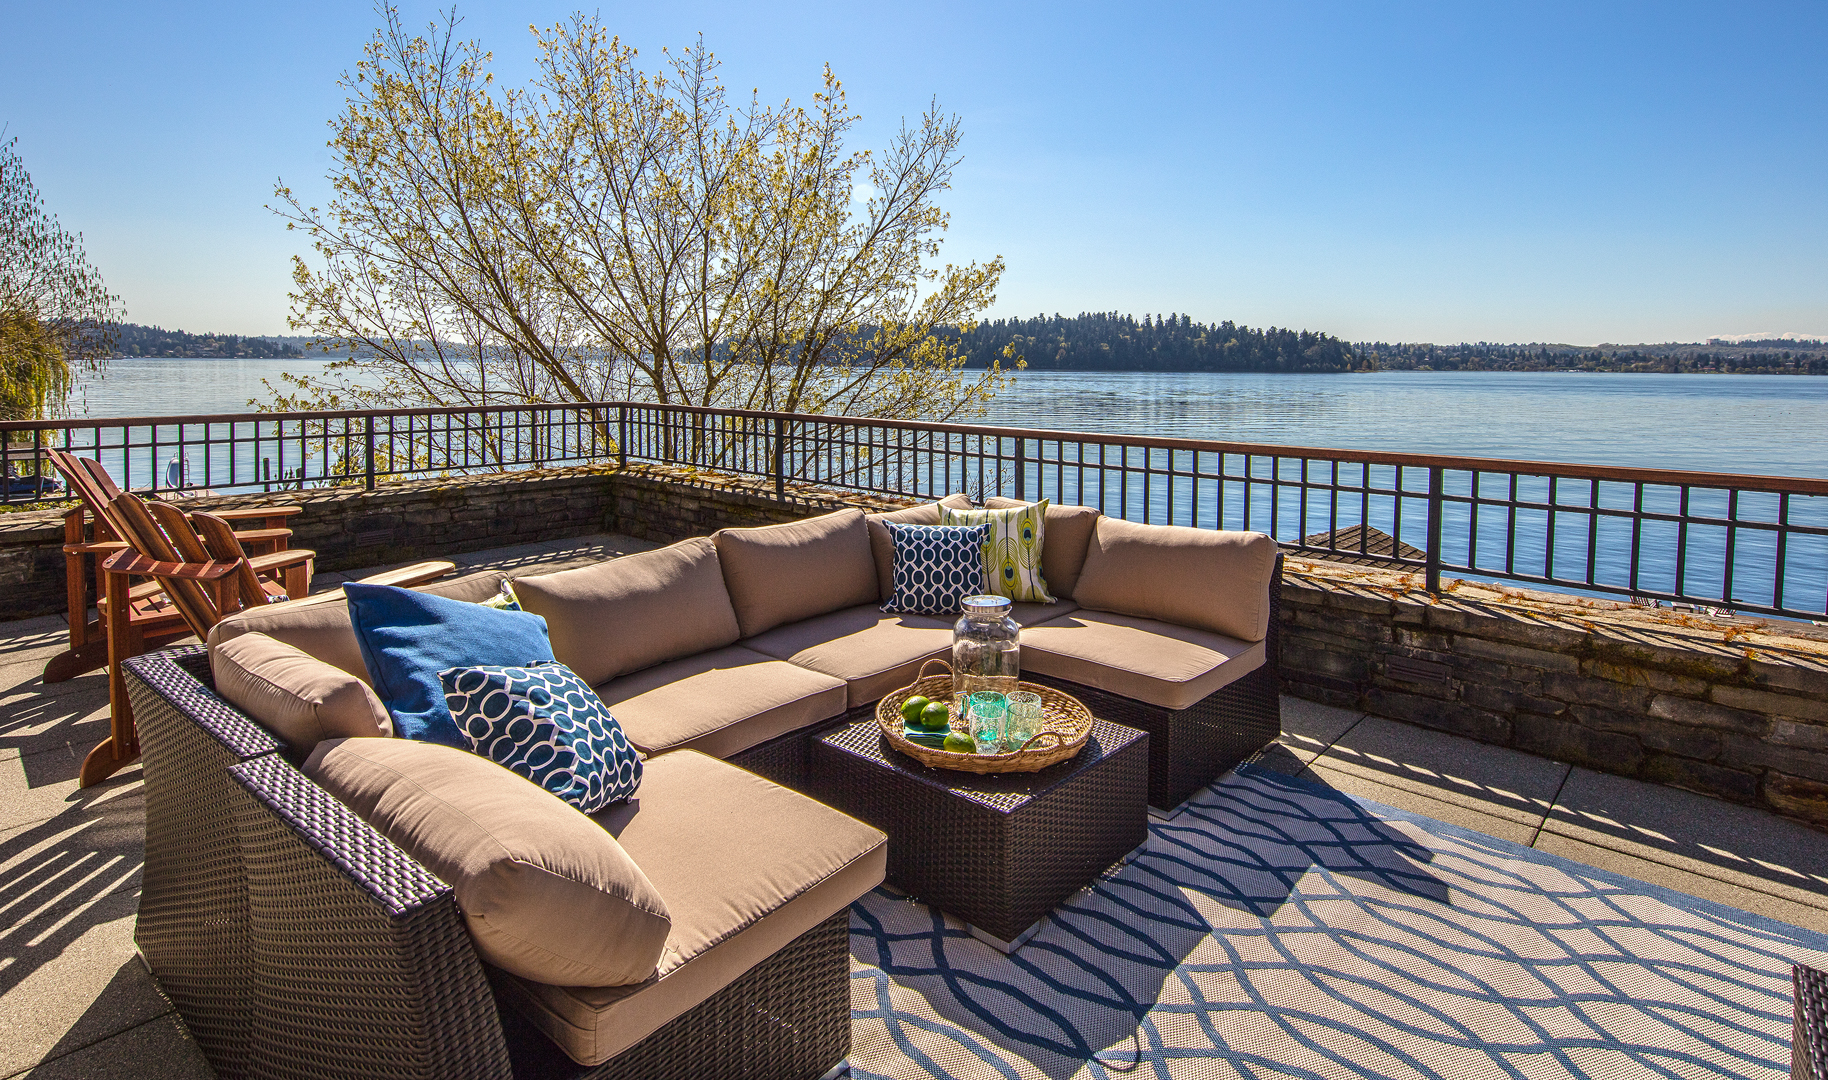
x: 1760, y: 424
x: 1749, y: 424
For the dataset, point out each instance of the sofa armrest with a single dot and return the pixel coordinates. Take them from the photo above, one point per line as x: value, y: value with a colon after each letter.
x: 361, y: 963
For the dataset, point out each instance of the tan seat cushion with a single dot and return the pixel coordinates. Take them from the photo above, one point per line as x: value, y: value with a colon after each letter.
x: 298, y: 697
x: 626, y: 614
x: 720, y: 702
x: 322, y: 627
x: 1065, y: 534
x: 746, y: 867
x: 872, y: 652
x: 1217, y: 581
x: 1034, y: 614
x: 779, y: 574
x: 1144, y: 659
x: 547, y: 894
x: 882, y: 547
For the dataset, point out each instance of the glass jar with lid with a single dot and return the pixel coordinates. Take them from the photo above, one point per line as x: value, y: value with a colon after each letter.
x: 986, y: 647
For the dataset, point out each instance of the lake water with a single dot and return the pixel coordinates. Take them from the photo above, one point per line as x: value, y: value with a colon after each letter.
x: 1759, y: 424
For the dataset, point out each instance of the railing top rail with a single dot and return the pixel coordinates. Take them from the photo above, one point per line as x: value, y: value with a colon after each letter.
x: 1571, y: 470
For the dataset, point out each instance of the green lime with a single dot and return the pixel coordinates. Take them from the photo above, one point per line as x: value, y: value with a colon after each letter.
x: 911, y: 708
x: 937, y: 716
x: 960, y: 744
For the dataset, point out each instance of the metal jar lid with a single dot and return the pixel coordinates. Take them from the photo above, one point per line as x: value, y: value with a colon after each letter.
x: 986, y: 607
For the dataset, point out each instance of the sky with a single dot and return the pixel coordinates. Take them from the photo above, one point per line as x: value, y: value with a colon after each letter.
x: 1581, y: 172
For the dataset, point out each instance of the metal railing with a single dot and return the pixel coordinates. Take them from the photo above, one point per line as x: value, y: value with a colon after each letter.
x: 1746, y: 543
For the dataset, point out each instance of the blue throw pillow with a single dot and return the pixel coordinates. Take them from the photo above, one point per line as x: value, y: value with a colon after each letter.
x: 936, y: 567
x: 408, y: 637
x: 544, y: 723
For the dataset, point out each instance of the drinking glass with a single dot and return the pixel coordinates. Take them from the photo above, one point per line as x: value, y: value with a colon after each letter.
x: 1023, y: 718
x: 988, y: 711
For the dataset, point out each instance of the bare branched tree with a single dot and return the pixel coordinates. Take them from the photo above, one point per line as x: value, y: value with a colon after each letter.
x: 56, y: 317
x: 610, y: 231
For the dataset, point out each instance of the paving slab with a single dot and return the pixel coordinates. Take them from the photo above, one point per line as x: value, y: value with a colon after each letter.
x: 1418, y: 799
x: 69, y: 891
x: 1745, y: 847
x: 28, y: 641
x: 158, y: 1048
x: 1308, y: 728
x: 35, y: 715
x: 1706, y: 886
x: 1443, y: 769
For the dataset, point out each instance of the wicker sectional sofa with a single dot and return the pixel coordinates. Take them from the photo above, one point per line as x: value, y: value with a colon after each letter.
x: 286, y: 918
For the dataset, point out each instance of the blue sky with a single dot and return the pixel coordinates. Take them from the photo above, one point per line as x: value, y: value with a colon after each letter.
x: 1583, y: 173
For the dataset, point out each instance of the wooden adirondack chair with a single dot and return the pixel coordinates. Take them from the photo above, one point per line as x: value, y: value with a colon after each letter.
x: 198, y: 560
x: 152, y: 620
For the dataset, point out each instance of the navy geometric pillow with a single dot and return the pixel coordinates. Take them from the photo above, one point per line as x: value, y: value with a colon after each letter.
x: 544, y: 723
x: 936, y: 567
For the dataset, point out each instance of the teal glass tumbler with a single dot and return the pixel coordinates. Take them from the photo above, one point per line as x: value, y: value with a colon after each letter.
x: 989, y: 710
x: 1023, y: 719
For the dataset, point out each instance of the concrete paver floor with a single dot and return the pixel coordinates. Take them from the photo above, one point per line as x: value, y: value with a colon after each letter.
x: 75, y: 1001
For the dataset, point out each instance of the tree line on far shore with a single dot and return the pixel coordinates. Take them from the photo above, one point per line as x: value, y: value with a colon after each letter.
x: 137, y: 340
x: 1108, y: 341
x: 1776, y: 356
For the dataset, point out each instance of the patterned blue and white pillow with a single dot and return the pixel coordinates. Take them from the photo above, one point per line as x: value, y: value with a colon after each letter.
x: 936, y: 567
x: 544, y: 723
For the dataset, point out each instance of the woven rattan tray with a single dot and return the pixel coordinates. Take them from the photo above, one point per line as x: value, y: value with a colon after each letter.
x: 1065, y: 723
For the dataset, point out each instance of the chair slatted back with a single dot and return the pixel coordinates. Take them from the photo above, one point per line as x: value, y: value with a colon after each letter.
x: 219, y: 539
x: 96, y: 499
x: 109, y: 489
x: 142, y: 533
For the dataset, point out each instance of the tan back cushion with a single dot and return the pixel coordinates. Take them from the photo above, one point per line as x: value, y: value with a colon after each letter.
x: 882, y: 548
x: 1217, y: 581
x: 320, y: 625
x: 779, y: 574
x: 298, y: 697
x: 548, y: 895
x: 626, y: 614
x: 1065, y: 537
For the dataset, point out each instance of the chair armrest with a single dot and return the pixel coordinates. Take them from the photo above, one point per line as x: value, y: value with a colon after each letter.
x: 95, y: 548
x: 407, y: 576
x: 248, y: 536
x: 279, y: 559
x: 128, y: 561
x: 256, y: 512
x: 363, y: 955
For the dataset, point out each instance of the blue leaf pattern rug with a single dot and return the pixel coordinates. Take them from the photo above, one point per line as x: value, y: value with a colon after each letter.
x: 1277, y: 928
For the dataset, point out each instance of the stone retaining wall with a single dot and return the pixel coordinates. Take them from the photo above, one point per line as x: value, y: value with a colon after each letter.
x: 349, y: 527
x: 1735, y: 708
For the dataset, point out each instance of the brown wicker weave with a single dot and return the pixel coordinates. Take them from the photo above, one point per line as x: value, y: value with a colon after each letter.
x: 1190, y: 748
x: 298, y: 942
x: 1809, y: 1024
x: 999, y: 850
x: 193, y: 922
x: 1065, y: 723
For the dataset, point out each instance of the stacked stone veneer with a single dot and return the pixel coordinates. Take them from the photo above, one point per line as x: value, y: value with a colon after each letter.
x: 1731, y: 708
x: 1735, y: 708
x: 349, y: 527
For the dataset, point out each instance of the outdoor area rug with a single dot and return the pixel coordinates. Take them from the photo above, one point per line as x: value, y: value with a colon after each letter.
x: 1278, y: 928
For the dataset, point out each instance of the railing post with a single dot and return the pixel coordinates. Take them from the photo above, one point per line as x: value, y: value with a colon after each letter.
x: 622, y: 436
x: 368, y: 437
x: 780, y: 458
x: 1021, y: 469
x: 1432, y: 578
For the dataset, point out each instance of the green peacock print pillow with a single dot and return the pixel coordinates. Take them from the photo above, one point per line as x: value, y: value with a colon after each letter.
x: 1012, y: 549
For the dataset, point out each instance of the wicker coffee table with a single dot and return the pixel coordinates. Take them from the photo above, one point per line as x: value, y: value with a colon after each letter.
x: 997, y: 851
